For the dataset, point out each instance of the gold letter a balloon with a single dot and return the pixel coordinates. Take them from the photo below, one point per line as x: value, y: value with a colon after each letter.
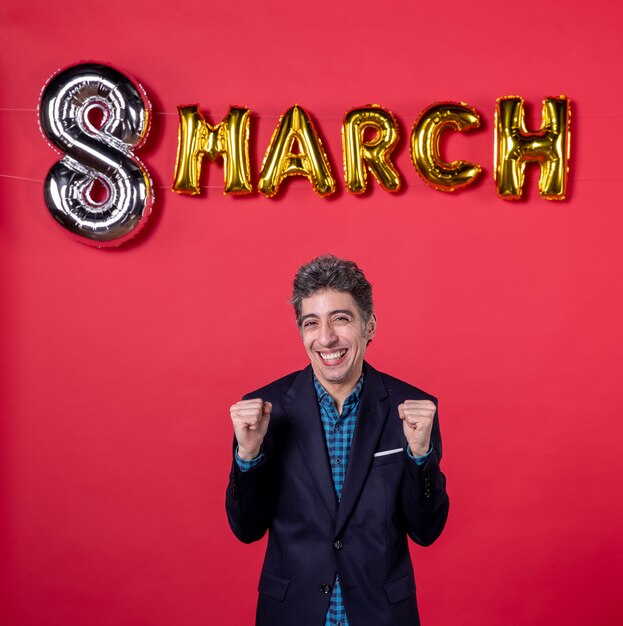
x: 295, y: 150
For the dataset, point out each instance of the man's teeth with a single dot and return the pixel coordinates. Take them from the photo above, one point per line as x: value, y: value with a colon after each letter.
x: 333, y: 356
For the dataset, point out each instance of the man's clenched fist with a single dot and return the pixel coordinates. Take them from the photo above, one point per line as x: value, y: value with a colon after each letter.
x: 417, y: 416
x: 250, y: 419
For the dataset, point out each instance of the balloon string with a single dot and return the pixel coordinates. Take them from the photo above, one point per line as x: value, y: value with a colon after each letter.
x: 416, y: 182
x: 32, y: 180
x: 167, y: 187
x: 175, y: 114
x: 316, y: 117
x: 40, y: 180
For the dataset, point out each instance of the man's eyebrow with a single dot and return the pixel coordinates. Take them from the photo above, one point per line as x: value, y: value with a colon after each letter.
x: 335, y: 312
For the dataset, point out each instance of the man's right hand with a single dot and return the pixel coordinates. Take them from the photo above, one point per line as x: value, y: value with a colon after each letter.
x: 250, y: 419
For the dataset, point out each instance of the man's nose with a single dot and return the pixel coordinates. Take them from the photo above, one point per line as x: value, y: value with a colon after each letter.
x: 327, y: 334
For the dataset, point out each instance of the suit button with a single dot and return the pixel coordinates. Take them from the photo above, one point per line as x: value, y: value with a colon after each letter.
x: 325, y: 588
x: 338, y: 545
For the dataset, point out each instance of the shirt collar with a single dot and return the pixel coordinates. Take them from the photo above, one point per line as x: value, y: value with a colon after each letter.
x: 323, y: 395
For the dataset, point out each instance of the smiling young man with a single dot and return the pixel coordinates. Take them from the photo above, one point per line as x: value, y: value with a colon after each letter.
x: 340, y: 463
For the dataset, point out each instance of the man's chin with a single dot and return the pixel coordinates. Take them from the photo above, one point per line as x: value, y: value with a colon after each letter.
x: 333, y: 376
x: 325, y: 372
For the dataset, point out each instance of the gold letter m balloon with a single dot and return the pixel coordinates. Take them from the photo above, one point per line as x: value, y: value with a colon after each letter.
x: 515, y: 146
x: 229, y: 140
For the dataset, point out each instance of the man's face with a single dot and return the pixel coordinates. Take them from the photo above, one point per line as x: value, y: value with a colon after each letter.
x: 335, y: 337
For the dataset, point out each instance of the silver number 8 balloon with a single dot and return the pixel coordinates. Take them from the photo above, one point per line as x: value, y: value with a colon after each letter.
x: 97, y: 155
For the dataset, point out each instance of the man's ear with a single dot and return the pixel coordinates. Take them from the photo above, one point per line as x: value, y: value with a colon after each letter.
x: 371, y: 327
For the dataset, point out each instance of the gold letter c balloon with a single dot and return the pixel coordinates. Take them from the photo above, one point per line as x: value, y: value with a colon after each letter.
x: 425, y: 145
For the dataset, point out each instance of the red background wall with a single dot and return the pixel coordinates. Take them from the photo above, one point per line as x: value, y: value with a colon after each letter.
x: 119, y: 366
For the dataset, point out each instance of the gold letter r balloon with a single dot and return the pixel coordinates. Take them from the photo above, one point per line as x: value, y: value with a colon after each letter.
x: 373, y: 154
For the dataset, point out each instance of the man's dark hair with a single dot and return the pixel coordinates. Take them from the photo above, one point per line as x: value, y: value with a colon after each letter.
x: 331, y: 272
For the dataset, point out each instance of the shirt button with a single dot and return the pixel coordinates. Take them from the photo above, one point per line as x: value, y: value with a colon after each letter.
x: 325, y: 588
x: 337, y: 460
x: 338, y: 545
x: 338, y: 427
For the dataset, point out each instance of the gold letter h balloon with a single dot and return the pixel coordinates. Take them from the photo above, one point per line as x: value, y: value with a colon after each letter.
x: 515, y: 146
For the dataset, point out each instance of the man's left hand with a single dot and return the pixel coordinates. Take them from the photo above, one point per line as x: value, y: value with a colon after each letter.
x: 417, y: 422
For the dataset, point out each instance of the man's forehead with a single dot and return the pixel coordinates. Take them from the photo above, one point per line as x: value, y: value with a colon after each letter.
x: 328, y: 301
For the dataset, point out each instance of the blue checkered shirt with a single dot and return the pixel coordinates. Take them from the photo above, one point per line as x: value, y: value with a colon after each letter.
x: 338, y: 433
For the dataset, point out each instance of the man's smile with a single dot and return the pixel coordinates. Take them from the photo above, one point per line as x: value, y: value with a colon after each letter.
x: 333, y: 357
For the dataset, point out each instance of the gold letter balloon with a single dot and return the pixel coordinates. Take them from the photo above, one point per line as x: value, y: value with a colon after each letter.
x: 295, y: 150
x: 229, y: 140
x: 425, y: 152
x: 515, y: 146
x: 361, y: 154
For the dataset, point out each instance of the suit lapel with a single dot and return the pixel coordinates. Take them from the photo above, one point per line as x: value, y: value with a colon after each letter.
x: 301, y: 406
x: 373, y: 412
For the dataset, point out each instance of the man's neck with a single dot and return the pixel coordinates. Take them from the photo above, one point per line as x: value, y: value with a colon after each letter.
x: 339, y: 391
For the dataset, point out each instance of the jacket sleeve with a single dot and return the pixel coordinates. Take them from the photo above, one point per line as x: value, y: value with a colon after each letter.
x: 250, y: 500
x: 425, y: 501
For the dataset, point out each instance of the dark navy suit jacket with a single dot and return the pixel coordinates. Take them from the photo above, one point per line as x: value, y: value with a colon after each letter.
x: 312, y: 537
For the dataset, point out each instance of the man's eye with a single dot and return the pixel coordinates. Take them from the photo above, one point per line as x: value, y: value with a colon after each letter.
x: 309, y: 324
x: 342, y: 319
